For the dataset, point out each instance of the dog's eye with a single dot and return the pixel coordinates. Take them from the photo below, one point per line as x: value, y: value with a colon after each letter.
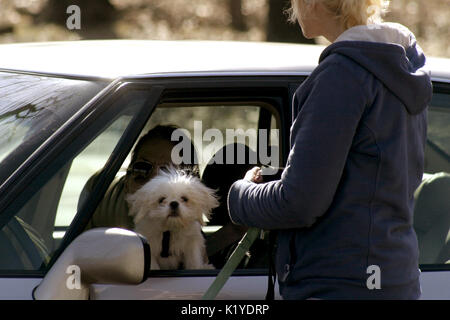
x: 184, y: 199
x: 161, y: 200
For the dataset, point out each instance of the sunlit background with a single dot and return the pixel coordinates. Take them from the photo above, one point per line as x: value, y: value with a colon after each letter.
x: 251, y: 20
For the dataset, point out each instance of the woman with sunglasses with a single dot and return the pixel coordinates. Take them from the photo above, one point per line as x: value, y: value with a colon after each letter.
x: 152, y: 152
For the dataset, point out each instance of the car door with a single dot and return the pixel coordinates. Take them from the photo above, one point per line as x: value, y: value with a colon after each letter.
x: 96, y: 141
x: 218, y: 112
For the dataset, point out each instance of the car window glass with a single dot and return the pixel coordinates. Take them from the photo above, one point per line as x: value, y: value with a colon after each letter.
x: 432, y: 204
x: 85, y: 165
x: 34, y: 233
x: 32, y: 108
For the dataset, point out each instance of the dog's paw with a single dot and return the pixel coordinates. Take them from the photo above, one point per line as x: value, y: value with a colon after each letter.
x: 208, y: 267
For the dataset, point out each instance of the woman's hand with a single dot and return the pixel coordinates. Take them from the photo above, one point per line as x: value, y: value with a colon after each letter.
x: 254, y: 175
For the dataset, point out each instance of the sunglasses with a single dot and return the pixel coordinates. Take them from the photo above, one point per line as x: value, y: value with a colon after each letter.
x: 141, y: 168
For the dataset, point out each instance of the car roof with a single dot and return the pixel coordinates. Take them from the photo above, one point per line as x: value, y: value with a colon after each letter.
x: 127, y: 58
x: 116, y: 58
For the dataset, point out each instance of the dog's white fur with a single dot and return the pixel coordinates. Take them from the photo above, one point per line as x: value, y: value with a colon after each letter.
x: 153, y: 215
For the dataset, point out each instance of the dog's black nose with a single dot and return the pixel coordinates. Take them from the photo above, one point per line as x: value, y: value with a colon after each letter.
x: 173, y: 205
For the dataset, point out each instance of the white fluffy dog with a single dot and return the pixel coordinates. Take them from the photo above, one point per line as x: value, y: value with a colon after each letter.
x: 168, y: 210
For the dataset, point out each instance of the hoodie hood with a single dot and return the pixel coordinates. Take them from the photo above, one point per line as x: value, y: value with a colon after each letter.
x: 390, y: 52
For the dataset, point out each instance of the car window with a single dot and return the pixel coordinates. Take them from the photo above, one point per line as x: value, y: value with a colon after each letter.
x: 213, y: 128
x: 31, y: 109
x: 33, y: 234
x: 432, y: 204
x: 237, y: 125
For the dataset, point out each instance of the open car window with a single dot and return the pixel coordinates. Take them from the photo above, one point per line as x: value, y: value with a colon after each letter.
x: 251, y: 128
x: 227, y: 138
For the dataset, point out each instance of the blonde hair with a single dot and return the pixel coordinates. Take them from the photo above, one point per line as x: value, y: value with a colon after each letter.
x: 351, y: 12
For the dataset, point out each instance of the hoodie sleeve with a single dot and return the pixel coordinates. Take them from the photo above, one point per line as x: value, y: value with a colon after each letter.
x: 321, y: 137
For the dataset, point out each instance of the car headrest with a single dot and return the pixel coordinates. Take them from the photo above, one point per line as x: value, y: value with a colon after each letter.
x: 432, y: 215
x: 223, y: 170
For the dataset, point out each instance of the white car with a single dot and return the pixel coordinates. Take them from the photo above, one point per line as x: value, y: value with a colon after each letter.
x: 69, y: 110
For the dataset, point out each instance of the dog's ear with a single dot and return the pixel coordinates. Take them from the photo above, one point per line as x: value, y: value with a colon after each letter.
x: 131, y: 200
x: 136, y: 206
x: 139, y: 215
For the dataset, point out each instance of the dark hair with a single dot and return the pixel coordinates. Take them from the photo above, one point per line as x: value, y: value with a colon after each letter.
x: 164, y: 132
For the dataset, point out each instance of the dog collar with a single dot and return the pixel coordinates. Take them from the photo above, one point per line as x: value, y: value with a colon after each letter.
x: 165, y: 245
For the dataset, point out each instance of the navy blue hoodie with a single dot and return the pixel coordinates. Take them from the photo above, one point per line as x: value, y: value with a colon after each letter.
x: 345, y: 199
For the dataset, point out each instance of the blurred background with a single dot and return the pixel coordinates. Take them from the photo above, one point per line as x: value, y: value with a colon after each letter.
x: 250, y: 20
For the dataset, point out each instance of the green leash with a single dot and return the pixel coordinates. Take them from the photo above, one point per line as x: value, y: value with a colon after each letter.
x: 232, y: 263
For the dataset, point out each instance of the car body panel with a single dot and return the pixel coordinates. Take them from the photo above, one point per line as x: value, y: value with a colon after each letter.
x: 435, y: 285
x: 158, y: 288
x: 237, y: 288
x: 172, y: 288
x: 134, y: 57
x: 18, y: 288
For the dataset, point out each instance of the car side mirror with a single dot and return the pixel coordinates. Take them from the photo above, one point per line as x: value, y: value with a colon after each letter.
x: 99, y: 256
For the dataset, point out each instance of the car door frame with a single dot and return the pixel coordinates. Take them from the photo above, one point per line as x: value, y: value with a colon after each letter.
x: 244, y: 283
x: 86, y: 116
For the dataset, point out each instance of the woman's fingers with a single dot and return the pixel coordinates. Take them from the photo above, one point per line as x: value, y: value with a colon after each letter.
x: 254, y: 175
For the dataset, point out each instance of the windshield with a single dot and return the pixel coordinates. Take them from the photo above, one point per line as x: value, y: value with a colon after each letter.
x: 31, y: 109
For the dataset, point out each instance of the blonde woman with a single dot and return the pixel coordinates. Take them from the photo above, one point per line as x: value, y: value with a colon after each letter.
x: 344, y: 205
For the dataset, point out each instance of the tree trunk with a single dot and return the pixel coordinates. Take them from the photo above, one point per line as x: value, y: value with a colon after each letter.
x: 237, y: 18
x: 279, y: 29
